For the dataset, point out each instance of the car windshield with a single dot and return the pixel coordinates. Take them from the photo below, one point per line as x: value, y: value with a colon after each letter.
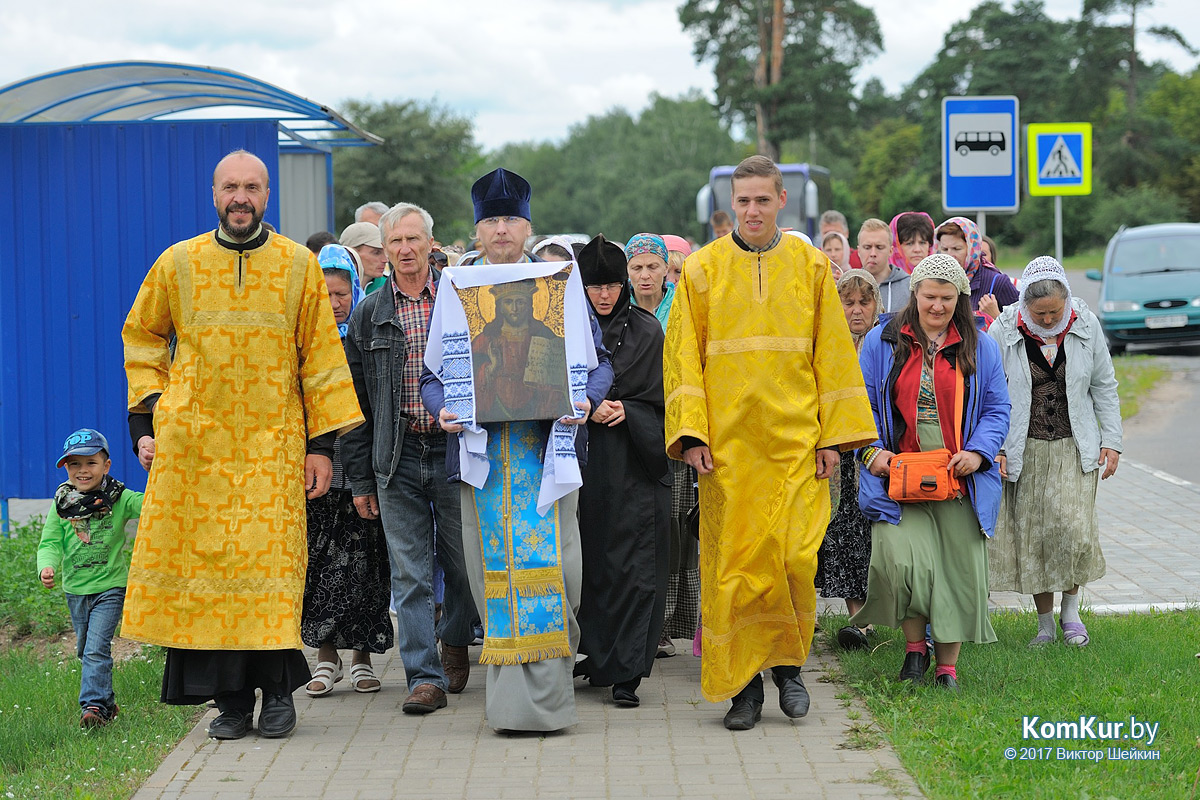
x: 1179, y: 253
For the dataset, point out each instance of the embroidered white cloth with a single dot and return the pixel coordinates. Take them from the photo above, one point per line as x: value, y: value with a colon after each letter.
x: 448, y: 355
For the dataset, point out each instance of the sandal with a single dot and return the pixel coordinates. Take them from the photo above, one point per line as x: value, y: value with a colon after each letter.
x: 1074, y: 633
x: 363, y: 679
x: 324, y: 677
x: 1041, y: 640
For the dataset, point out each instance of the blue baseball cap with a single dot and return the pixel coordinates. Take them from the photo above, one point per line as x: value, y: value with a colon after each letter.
x: 83, y: 442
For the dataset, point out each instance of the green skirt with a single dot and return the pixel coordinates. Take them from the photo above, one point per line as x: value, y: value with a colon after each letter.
x: 934, y: 565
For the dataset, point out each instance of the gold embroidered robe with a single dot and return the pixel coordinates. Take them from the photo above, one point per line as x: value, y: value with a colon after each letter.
x: 221, y: 549
x: 760, y: 366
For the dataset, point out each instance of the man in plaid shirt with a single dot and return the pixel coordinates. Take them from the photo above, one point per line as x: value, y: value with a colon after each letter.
x: 396, y: 463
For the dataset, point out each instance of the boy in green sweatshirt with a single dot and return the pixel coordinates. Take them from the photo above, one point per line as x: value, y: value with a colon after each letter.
x: 84, y: 537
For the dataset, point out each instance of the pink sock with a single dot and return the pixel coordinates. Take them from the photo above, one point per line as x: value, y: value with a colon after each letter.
x: 945, y: 669
x: 915, y: 647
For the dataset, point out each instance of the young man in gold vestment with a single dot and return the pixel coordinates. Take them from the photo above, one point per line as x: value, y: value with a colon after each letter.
x: 763, y: 391
x: 238, y: 385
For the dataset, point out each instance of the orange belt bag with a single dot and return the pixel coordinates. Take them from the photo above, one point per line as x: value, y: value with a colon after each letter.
x: 926, y: 476
x: 922, y: 477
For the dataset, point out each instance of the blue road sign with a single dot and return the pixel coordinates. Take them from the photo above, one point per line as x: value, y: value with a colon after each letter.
x: 979, y: 154
x: 1059, y: 158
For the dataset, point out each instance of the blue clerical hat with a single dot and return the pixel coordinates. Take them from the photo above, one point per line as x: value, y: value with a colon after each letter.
x: 501, y: 193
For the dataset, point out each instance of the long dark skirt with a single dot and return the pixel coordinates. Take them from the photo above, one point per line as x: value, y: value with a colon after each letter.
x: 623, y: 528
x: 191, y: 677
x: 683, y: 584
x: 845, y: 555
x: 348, y: 586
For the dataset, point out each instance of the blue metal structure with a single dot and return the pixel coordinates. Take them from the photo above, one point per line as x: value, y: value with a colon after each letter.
x: 89, y: 208
x: 92, y: 190
x: 980, y: 154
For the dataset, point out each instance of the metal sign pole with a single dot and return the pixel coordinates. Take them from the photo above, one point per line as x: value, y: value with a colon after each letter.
x: 981, y: 221
x: 1058, y: 255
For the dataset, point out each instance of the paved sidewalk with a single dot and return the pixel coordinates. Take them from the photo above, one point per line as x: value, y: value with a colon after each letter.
x: 361, y: 746
x: 350, y: 745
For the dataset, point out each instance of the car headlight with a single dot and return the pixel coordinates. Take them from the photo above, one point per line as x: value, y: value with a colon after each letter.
x: 1123, y: 305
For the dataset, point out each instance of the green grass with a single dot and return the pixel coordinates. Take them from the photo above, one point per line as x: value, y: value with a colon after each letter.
x: 43, y: 751
x: 1014, y: 261
x: 1136, y: 377
x: 953, y: 744
x: 26, y: 607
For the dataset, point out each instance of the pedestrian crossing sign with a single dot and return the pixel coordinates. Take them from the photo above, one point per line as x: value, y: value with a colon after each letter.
x: 1059, y: 158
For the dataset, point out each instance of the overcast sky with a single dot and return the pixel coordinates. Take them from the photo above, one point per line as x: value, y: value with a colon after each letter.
x: 523, y: 71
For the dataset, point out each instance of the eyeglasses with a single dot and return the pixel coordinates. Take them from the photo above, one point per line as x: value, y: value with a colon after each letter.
x: 491, y: 222
x: 604, y: 287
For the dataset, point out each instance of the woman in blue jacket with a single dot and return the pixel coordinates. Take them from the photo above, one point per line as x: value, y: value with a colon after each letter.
x: 929, y: 560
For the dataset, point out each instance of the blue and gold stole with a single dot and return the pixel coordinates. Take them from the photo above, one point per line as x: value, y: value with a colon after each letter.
x: 524, y: 592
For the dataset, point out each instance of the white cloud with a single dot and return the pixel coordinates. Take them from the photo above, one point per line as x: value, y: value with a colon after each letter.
x: 523, y: 71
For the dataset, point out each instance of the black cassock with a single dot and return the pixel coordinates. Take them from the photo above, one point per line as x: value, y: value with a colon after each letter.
x: 625, y: 508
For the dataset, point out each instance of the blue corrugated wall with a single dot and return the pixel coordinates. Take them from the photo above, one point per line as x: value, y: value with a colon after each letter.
x: 85, y: 209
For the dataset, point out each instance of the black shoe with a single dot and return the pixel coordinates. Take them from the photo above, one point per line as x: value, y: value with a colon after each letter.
x: 852, y: 638
x: 623, y: 695
x: 231, y: 725
x: 744, y: 713
x: 278, y: 715
x: 915, y: 666
x: 793, y: 695
x: 946, y: 682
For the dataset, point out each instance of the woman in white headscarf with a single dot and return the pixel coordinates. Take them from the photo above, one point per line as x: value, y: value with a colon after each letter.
x: 1066, y: 425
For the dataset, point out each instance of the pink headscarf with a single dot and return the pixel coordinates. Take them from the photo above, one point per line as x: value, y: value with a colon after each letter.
x: 975, y: 255
x: 898, y: 259
x: 676, y: 244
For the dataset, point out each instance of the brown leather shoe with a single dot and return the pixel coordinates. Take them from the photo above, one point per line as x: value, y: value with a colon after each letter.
x: 425, y: 699
x: 457, y: 666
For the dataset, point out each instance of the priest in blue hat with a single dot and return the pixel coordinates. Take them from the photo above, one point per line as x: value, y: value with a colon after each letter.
x: 530, y: 686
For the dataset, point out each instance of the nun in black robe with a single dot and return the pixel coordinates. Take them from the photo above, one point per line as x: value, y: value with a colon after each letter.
x: 625, y: 502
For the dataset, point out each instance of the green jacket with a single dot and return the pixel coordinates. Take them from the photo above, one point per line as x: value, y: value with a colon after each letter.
x: 90, y: 568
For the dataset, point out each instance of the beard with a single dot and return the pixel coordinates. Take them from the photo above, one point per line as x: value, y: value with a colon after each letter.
x: 240, y: 231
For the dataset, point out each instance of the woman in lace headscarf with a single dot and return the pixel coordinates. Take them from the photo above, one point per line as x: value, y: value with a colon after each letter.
x: 1066, y: 426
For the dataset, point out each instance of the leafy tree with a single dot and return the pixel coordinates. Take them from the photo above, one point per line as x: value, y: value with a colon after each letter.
x: 1176, y: 102
x: 428, y: 157
x: 618, y: 175
x: 890, y: 149
x: 785, y: 65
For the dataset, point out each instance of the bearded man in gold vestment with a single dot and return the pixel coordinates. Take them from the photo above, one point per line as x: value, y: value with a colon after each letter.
x: 763, y: 391
x: 238, y: 385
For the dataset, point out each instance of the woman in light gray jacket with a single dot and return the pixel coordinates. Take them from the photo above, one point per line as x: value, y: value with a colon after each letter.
x: 1065, y: 427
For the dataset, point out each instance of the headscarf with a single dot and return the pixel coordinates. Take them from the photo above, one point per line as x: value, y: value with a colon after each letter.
x: 801, y: 235
x: 944, y: 268
x: 1044, y: 268
x: 873, y: 285
x: 676, y: 244
x: 646, y: 243
x: 898, y: 259
x: 845, y: 252
x: 975, y: 256
x: 335, y: 256
x: 561, y: 241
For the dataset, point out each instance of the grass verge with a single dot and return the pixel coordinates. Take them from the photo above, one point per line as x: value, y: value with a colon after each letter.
x: 43, y: 751
x: 1136, y: 377
x: 954, y: 745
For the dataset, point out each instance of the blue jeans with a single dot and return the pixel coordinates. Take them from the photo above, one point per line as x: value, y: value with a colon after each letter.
x: 417, y: 495
x: 95, y: 618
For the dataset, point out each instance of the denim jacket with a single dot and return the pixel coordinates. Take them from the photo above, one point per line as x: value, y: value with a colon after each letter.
x: 376, y: 350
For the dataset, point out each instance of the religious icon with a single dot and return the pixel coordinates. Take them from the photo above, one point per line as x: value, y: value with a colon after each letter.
x: 518, y: 350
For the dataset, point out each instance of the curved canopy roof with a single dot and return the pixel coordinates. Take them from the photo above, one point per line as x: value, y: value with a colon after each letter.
x: 141, y: 90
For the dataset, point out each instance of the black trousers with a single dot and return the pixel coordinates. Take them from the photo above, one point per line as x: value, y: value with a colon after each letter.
x: 754, y: 689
